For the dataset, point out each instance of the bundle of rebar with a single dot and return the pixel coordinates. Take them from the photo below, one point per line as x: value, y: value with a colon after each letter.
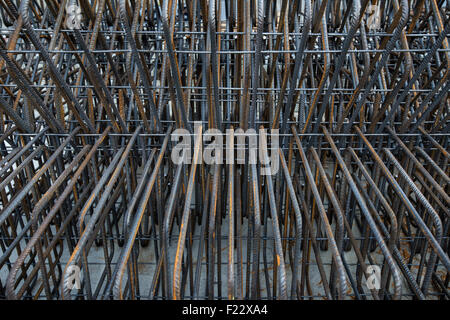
x: 116, y: 181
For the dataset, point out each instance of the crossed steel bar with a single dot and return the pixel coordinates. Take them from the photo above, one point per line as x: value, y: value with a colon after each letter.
x: 352, y: 203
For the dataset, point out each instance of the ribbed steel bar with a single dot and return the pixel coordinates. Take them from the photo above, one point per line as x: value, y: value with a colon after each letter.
x: 224, y: 149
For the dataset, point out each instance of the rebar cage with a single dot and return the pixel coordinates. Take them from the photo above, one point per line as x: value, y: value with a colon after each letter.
x: 93, y: 205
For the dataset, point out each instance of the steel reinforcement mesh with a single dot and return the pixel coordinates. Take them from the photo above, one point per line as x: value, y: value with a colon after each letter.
x: 345, y: 195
